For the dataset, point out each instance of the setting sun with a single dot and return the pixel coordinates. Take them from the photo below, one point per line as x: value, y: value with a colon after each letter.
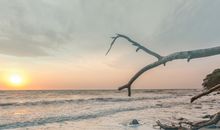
x: 16, y: 79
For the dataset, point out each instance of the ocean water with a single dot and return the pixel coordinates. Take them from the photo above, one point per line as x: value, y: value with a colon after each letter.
x: 100, y: 109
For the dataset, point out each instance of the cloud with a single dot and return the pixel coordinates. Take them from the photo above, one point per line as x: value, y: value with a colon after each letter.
x: 31, y: 28
x: 39, y: 28
x: 193, y: 24
x: 81, y: 27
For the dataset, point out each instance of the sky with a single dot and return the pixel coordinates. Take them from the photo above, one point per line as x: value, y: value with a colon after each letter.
x: 61, y: 44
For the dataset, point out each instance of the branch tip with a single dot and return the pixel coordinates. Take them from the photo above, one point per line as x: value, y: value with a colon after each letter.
x: 137, y: 49
x: 124, y: 87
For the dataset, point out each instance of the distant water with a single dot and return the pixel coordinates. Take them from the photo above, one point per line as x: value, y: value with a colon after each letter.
x: 99, y: 109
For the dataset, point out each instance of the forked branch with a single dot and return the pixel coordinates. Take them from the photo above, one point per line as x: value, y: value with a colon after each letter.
x: 162, y: 60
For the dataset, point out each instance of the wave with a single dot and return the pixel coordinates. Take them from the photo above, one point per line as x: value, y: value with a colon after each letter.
x: 57, y: 119
x: 54, y: 102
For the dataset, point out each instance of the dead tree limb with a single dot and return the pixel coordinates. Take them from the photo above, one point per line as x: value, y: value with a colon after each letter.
x: 205, y: 93
x: 162, y: 60
x: 134, y: 43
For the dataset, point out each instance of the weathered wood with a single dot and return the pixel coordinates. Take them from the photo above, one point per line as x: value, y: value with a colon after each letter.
x: 162, y: 60
x: 205, y: 93
x: 213, y: 121
x: 170, y: 127
x: 191, y: 125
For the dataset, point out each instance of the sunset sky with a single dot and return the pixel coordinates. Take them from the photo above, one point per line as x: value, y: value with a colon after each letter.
x: 61, y: 44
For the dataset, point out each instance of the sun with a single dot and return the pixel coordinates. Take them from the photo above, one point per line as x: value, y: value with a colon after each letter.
x: 16, y: 79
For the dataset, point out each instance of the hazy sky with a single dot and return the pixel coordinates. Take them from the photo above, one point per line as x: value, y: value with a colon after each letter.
x: 61, y: 44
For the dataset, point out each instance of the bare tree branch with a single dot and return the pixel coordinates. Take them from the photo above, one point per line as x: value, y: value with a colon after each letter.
x: 205, y: 93
x: 139, y: 46
x: 199, y: 53
x: 174, y: 56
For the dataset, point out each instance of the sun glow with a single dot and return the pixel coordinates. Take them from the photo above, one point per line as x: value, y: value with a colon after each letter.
x: 16, y: 79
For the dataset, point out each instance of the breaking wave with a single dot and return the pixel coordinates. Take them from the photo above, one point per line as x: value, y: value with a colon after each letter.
x: 84, y: 116
x: 52, y: 102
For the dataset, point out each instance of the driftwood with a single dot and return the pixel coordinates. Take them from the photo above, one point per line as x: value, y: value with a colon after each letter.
x: 191, y: 125
x: 208, y: 82
x: 170, y: 127
x: 205, y: 93
x: 162, y: 60
x: 214, y: 119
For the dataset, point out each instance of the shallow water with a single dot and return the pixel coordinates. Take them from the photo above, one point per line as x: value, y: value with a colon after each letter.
x: 99, y: 110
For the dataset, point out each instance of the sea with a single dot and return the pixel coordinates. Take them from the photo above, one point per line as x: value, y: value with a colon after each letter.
x: 100, y: 109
